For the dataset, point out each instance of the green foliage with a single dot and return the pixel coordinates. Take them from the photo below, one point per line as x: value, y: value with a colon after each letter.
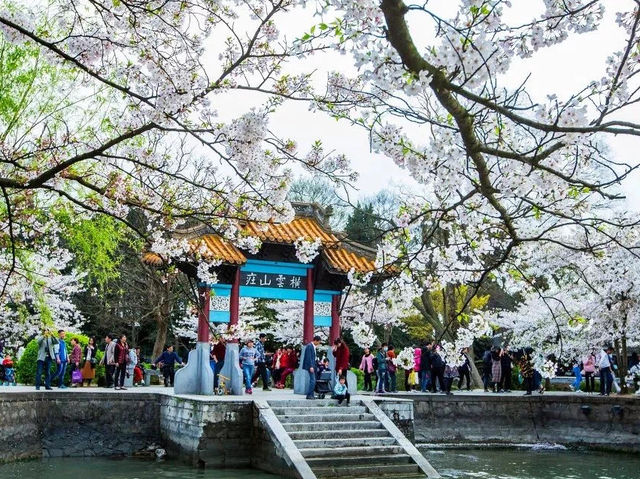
x: 418, y: 328
x: 27, y: 92
x: 26, y: 366
x: 95, y: 245
x: 362, y: 226
x: 17, y: 76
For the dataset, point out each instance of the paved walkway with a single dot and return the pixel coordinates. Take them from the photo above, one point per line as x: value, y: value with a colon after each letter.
x: 280, y: 394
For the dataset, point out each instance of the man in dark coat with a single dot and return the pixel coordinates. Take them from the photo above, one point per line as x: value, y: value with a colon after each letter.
x: 309, y: 365
x: 486, y: 369
x: 437, y: 370
x: 425, y: 367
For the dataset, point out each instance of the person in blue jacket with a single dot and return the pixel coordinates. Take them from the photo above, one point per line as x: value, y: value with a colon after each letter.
x: 167, y: 361
x: 340, y: 391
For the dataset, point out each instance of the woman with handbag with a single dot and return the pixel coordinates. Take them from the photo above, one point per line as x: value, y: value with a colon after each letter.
x: 74, y: 360
x: 90, y: 361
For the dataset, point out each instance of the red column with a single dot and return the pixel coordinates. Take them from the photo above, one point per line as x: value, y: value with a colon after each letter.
x: 335, y: 332
x: 234, y: 301
x: 204, y: 294
x: 307, y: 328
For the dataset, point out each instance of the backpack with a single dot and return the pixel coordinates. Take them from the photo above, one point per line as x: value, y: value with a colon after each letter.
x: 374, y: 362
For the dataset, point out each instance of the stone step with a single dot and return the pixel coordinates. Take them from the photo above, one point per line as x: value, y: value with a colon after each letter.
x: 307, y: 403
x: 342, y: 461
x: 399, y: 471
x: 351, y: 451
x: 334, y: 409
x: 331, y: 433
x: 333, y: 417
x: 331, y: 426
x: 346, y: 442
x: 406, y: 475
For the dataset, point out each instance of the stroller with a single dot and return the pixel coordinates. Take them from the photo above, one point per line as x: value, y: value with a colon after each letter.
x: 323, y: 384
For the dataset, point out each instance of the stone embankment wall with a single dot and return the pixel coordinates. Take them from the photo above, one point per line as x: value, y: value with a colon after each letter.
x: 611, y: 423
x: 208, y: 433
x: 52, y: 424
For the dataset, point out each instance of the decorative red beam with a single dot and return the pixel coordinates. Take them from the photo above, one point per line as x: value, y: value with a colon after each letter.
x: 308, y: 310
x: 234, y: 301
x: 335, y: 330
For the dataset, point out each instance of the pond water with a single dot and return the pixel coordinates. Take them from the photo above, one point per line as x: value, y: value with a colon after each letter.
x: 533, y: 463
x: 125, y: 468
x: 452, y: 464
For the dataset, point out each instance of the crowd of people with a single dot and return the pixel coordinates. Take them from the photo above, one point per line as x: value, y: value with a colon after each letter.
x: 274, y: 367
x: 121, y: 362
x: 428, y: 372
x: 603, y: 365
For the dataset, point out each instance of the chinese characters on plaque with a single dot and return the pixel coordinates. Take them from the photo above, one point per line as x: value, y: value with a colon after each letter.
x: 272, y: 280
x: 219, y: 303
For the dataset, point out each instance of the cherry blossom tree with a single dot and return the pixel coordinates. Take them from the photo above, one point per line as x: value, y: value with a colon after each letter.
x: 120, y: 112
x: 132, y: 120
x: 47, y: 301
x: 578, y: 302
x: 499, y: 168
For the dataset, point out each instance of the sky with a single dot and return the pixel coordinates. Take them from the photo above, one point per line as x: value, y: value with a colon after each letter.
x: 561, y: 70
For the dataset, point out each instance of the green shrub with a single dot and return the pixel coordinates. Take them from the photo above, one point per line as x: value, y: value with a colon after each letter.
x: 26, y: 366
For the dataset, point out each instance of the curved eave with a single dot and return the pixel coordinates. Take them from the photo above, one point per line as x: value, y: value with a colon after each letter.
x: 288, y: 233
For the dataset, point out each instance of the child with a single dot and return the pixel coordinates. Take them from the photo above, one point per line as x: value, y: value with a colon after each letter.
x: 340, y: 391
x: 248, y: 357
x: 9, y: 372
x: 322, y: 366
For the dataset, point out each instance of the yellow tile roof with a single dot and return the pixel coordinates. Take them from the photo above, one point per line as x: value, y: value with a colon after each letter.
x: 216, y: 247
x: 343, y: 260
x: 223, y: 250
x: 338, y: 258
x: 306, y: 228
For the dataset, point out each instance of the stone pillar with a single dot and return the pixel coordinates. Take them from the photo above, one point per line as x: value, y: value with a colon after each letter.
x: 197, y: 377
x: 335, y: 330
x: 231, y: 368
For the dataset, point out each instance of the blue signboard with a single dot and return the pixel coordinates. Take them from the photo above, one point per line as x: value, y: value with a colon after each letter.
x: 271, y: 280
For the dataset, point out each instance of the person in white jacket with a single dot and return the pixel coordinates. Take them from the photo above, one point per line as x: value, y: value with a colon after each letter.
x: 606, y: 377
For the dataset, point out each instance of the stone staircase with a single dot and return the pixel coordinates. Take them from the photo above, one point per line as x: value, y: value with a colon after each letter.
x: 351, y: 442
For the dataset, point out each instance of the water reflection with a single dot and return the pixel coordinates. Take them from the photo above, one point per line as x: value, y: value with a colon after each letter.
x: 533, y: 464
x: 126, y: 468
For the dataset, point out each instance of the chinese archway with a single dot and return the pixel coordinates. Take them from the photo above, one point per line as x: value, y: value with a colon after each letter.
x: 273, y: 272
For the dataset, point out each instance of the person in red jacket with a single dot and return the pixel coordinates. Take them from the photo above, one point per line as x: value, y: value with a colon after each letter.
x: 288, y: 363
x: 121, y: 357
x: 341, y: 353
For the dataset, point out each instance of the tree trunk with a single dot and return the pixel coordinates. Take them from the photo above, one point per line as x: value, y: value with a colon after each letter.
x: 162, y: 314
x: 623, y: 366
x: 476, y: 378
x: 162, y: 323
